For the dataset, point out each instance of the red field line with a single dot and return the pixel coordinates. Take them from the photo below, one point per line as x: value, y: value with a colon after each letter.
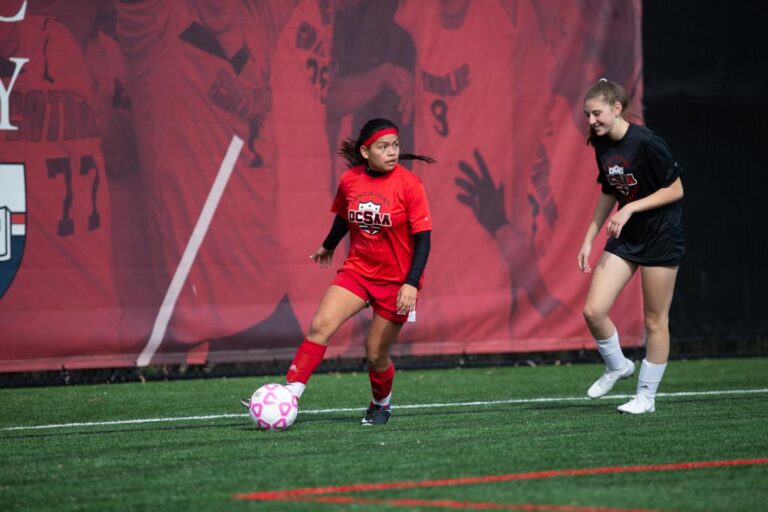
x: 312, y: 494
x: 465, y: 505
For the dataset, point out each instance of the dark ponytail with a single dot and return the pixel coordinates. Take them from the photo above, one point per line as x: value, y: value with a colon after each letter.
x: 350, y: 148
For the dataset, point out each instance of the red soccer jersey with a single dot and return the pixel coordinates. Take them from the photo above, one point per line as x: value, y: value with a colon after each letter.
x: 383, y: 213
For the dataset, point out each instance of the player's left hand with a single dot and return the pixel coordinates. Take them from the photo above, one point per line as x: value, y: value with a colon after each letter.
x: 617, y: 222
x: 406, y: 299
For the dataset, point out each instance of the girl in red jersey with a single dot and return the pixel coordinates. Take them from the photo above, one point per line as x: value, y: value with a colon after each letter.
x: 384, y: 208
x: 635, y: 170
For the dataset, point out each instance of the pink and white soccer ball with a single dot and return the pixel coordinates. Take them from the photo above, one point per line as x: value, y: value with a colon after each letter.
x: 273, y: 407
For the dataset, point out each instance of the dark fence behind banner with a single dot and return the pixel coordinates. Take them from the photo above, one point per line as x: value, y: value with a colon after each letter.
x: 705, y: 90
x: 166, y: 169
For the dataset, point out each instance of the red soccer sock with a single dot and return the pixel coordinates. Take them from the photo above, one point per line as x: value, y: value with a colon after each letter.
x: 381, y: 383
x: 308, y: 357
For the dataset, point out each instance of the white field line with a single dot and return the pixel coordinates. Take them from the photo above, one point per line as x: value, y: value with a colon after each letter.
x: 398, y: 406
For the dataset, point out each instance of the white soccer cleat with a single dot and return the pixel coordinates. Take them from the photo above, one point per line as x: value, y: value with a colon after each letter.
x: 638, y: 405
x: 609, y: 378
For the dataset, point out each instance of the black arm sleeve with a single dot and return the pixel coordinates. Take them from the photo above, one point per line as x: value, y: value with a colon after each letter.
x: 421, y: 246
x: 338, y: 231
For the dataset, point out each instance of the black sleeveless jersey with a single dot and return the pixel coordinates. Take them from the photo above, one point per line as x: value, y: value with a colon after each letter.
x: 630, y: 169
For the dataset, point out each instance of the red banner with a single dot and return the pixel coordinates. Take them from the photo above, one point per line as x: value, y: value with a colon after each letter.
x: 167, y: 167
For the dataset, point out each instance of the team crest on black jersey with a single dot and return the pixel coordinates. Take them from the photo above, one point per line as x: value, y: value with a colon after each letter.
x: 369, y: 217
x: 13, y: 222
x: 619, y: 180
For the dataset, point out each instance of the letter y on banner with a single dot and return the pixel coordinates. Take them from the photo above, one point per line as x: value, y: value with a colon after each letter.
x: 5, y: 94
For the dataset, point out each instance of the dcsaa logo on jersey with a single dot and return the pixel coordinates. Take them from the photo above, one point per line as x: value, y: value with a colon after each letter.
x: 369, y: 217
x: 13, y: 222
x: 620, y: 181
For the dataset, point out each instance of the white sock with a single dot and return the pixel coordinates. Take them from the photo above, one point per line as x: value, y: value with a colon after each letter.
x: 383, y: 401
x: 649, y: 378
x: 297, y: 388
x: 611, y: 352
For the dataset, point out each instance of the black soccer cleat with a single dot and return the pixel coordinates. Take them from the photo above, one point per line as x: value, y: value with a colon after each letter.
x: 376, y: 415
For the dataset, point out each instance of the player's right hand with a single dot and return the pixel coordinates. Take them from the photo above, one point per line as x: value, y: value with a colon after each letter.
x: 322, y: 257
x: 582, y: 259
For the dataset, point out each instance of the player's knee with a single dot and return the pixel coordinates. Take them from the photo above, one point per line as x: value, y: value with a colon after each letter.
x: 372, y: 360
x: 377, y: 360
x: 321, y: 327
x: 656, y: 324
x: 592, y: 315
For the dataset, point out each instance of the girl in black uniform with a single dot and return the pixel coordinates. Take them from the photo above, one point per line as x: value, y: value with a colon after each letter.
x: 636, y: 171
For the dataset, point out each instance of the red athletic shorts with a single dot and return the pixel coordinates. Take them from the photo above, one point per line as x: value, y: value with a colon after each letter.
x: 382, y: 296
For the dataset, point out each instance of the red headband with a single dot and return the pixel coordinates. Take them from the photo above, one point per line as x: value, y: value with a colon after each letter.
x: 378, y: 134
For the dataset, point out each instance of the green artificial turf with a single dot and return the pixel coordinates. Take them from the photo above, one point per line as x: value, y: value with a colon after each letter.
x: 196, y: 463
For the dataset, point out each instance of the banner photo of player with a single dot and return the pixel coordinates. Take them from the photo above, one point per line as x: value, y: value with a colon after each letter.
x: 168, y: 166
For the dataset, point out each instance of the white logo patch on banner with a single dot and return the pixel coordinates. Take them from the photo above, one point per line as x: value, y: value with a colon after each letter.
x: 13, y: 217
